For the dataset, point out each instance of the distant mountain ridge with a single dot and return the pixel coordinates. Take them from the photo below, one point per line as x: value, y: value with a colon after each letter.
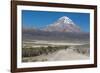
x: 55, y: 36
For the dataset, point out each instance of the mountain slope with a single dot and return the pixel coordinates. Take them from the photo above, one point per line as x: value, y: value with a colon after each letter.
x: 63, y: 24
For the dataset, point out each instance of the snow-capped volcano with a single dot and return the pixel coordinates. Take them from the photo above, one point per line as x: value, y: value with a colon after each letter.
x: 63, y: 24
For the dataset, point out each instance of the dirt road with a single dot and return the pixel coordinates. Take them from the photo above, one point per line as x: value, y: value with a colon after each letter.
x: 67, y: 54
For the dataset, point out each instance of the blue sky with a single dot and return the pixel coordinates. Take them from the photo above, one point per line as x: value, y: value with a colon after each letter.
x: 40, y: 19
